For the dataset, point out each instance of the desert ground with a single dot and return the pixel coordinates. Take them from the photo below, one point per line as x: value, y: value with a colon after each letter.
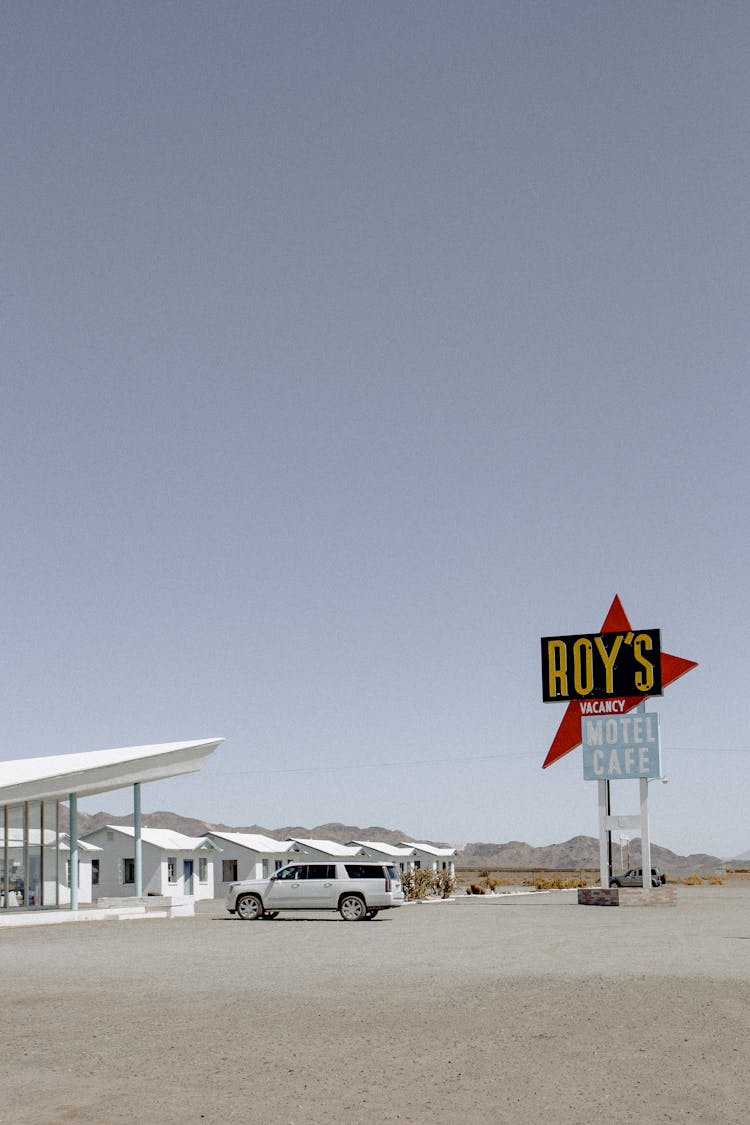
x: 522, y: 1009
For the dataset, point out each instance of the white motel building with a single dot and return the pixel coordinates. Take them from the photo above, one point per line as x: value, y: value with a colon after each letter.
x: 46, y: 866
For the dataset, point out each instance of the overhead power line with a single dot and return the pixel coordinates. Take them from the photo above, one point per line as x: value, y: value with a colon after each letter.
x: 317, y: 767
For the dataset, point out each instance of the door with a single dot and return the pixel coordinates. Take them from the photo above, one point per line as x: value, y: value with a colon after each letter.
x: 187, y: 876
x: 321, y: 887
x: 286, y: 890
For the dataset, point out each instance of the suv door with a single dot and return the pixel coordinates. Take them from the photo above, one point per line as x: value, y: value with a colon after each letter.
x: 286, y: 889
x: 320, y: 888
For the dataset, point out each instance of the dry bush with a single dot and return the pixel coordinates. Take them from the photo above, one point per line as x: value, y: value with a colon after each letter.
x: 417, y: 883
x: 558, y: 883
x: 716, y: 881
x: 474, y: 889
x: 421, y: 882
x: 443, y: 883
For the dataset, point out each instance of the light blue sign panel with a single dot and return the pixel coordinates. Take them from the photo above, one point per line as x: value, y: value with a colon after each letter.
x: 620, y: 746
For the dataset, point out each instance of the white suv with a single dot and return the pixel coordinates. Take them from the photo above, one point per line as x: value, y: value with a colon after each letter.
x: 358, y: 889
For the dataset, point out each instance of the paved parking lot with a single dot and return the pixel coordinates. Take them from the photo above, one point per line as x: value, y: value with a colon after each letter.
x: 525, y: 1010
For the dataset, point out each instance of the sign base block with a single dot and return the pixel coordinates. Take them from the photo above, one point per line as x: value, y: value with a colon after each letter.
x: 618, y: 896
x: 598, y: 896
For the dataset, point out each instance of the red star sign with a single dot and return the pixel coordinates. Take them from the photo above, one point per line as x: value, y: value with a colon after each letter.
x: 569, y: 732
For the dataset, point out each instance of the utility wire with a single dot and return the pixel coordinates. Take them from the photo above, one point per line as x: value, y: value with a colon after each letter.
x: 453, y: 761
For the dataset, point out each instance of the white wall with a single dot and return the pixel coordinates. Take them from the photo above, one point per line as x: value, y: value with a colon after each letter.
x: 249, y: 863
x: 154, y: 862
x: 84, y: 878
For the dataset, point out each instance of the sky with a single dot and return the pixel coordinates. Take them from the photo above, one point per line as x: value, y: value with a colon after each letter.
x: 348, y: 349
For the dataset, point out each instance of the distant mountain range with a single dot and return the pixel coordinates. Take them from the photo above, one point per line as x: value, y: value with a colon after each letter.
x: 578, y: 852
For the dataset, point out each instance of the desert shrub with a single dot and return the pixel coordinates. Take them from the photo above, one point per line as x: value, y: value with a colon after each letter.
x: 474, y: 889
x: 693, y: 880
x: 558, y: 883
x: 418, y: 882
x: 444, y: 883
x: 491, y: 883
x: 716, y: 881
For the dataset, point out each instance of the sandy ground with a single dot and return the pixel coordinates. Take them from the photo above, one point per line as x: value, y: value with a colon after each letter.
x: 525, y: 1010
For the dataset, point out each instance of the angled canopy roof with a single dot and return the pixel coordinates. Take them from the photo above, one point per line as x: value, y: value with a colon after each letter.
x: 56, y: 777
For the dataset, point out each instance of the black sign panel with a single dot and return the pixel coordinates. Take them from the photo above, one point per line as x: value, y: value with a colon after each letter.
x: 601, y: 665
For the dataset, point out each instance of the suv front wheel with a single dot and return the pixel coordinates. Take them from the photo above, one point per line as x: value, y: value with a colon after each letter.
x: 249, y: 907
x: 352, y: 908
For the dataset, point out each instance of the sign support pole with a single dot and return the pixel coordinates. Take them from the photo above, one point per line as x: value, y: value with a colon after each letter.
x: 604, y: 837
x: 645, y: 828
x: 645, y: 837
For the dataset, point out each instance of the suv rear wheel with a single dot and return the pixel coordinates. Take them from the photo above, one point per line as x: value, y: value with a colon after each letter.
x: 249, y: 907
x: 352, y: 908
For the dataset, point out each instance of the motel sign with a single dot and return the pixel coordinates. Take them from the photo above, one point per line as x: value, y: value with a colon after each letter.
x: 603, y: 677
x: 625, y: 664
x: 618, y: 747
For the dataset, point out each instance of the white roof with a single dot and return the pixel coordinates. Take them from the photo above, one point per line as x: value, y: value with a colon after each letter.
x: 83, y: 845
x: 385, y: 849
x: 165, y: 838
x: 37, y: 838
x: 97, y: 771
x: 328, y: 847
x: 254, y: 841
x: 429, y: 849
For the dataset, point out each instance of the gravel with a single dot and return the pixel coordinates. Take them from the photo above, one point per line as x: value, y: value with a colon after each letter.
x: 528, y: 1009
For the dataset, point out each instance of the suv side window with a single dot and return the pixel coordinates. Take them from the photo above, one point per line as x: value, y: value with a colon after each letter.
x: 364, y: 871
x: 294, y: 872
x: 321, y: 871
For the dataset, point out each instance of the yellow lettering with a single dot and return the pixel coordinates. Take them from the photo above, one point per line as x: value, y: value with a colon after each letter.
x: 609, y: 660
x: 583, y: 666
x: 643, y: 680
x: 557, y: 668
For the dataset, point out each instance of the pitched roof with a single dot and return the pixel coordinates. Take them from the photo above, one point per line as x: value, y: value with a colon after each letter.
x: 429, y: 849
x: 328, y: 847
x: 83, y: 845
x: 385, y: 849
x: 165, y: 838
x: 254, y: 841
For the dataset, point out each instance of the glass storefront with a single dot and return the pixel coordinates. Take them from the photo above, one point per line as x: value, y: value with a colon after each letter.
x: 29, y: 855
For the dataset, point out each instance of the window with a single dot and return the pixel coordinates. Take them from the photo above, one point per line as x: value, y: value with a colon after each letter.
x: 322, y: 871
x: 202, y: 869
x: 110, y: 834
x: 229, y: 871
x: 364, y: 871
x: 278, y: 864
x: 95, y: 872
x: 172, y: 869
x: 293, y: 872
x: 128, y: 871
x: 265, y: 868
